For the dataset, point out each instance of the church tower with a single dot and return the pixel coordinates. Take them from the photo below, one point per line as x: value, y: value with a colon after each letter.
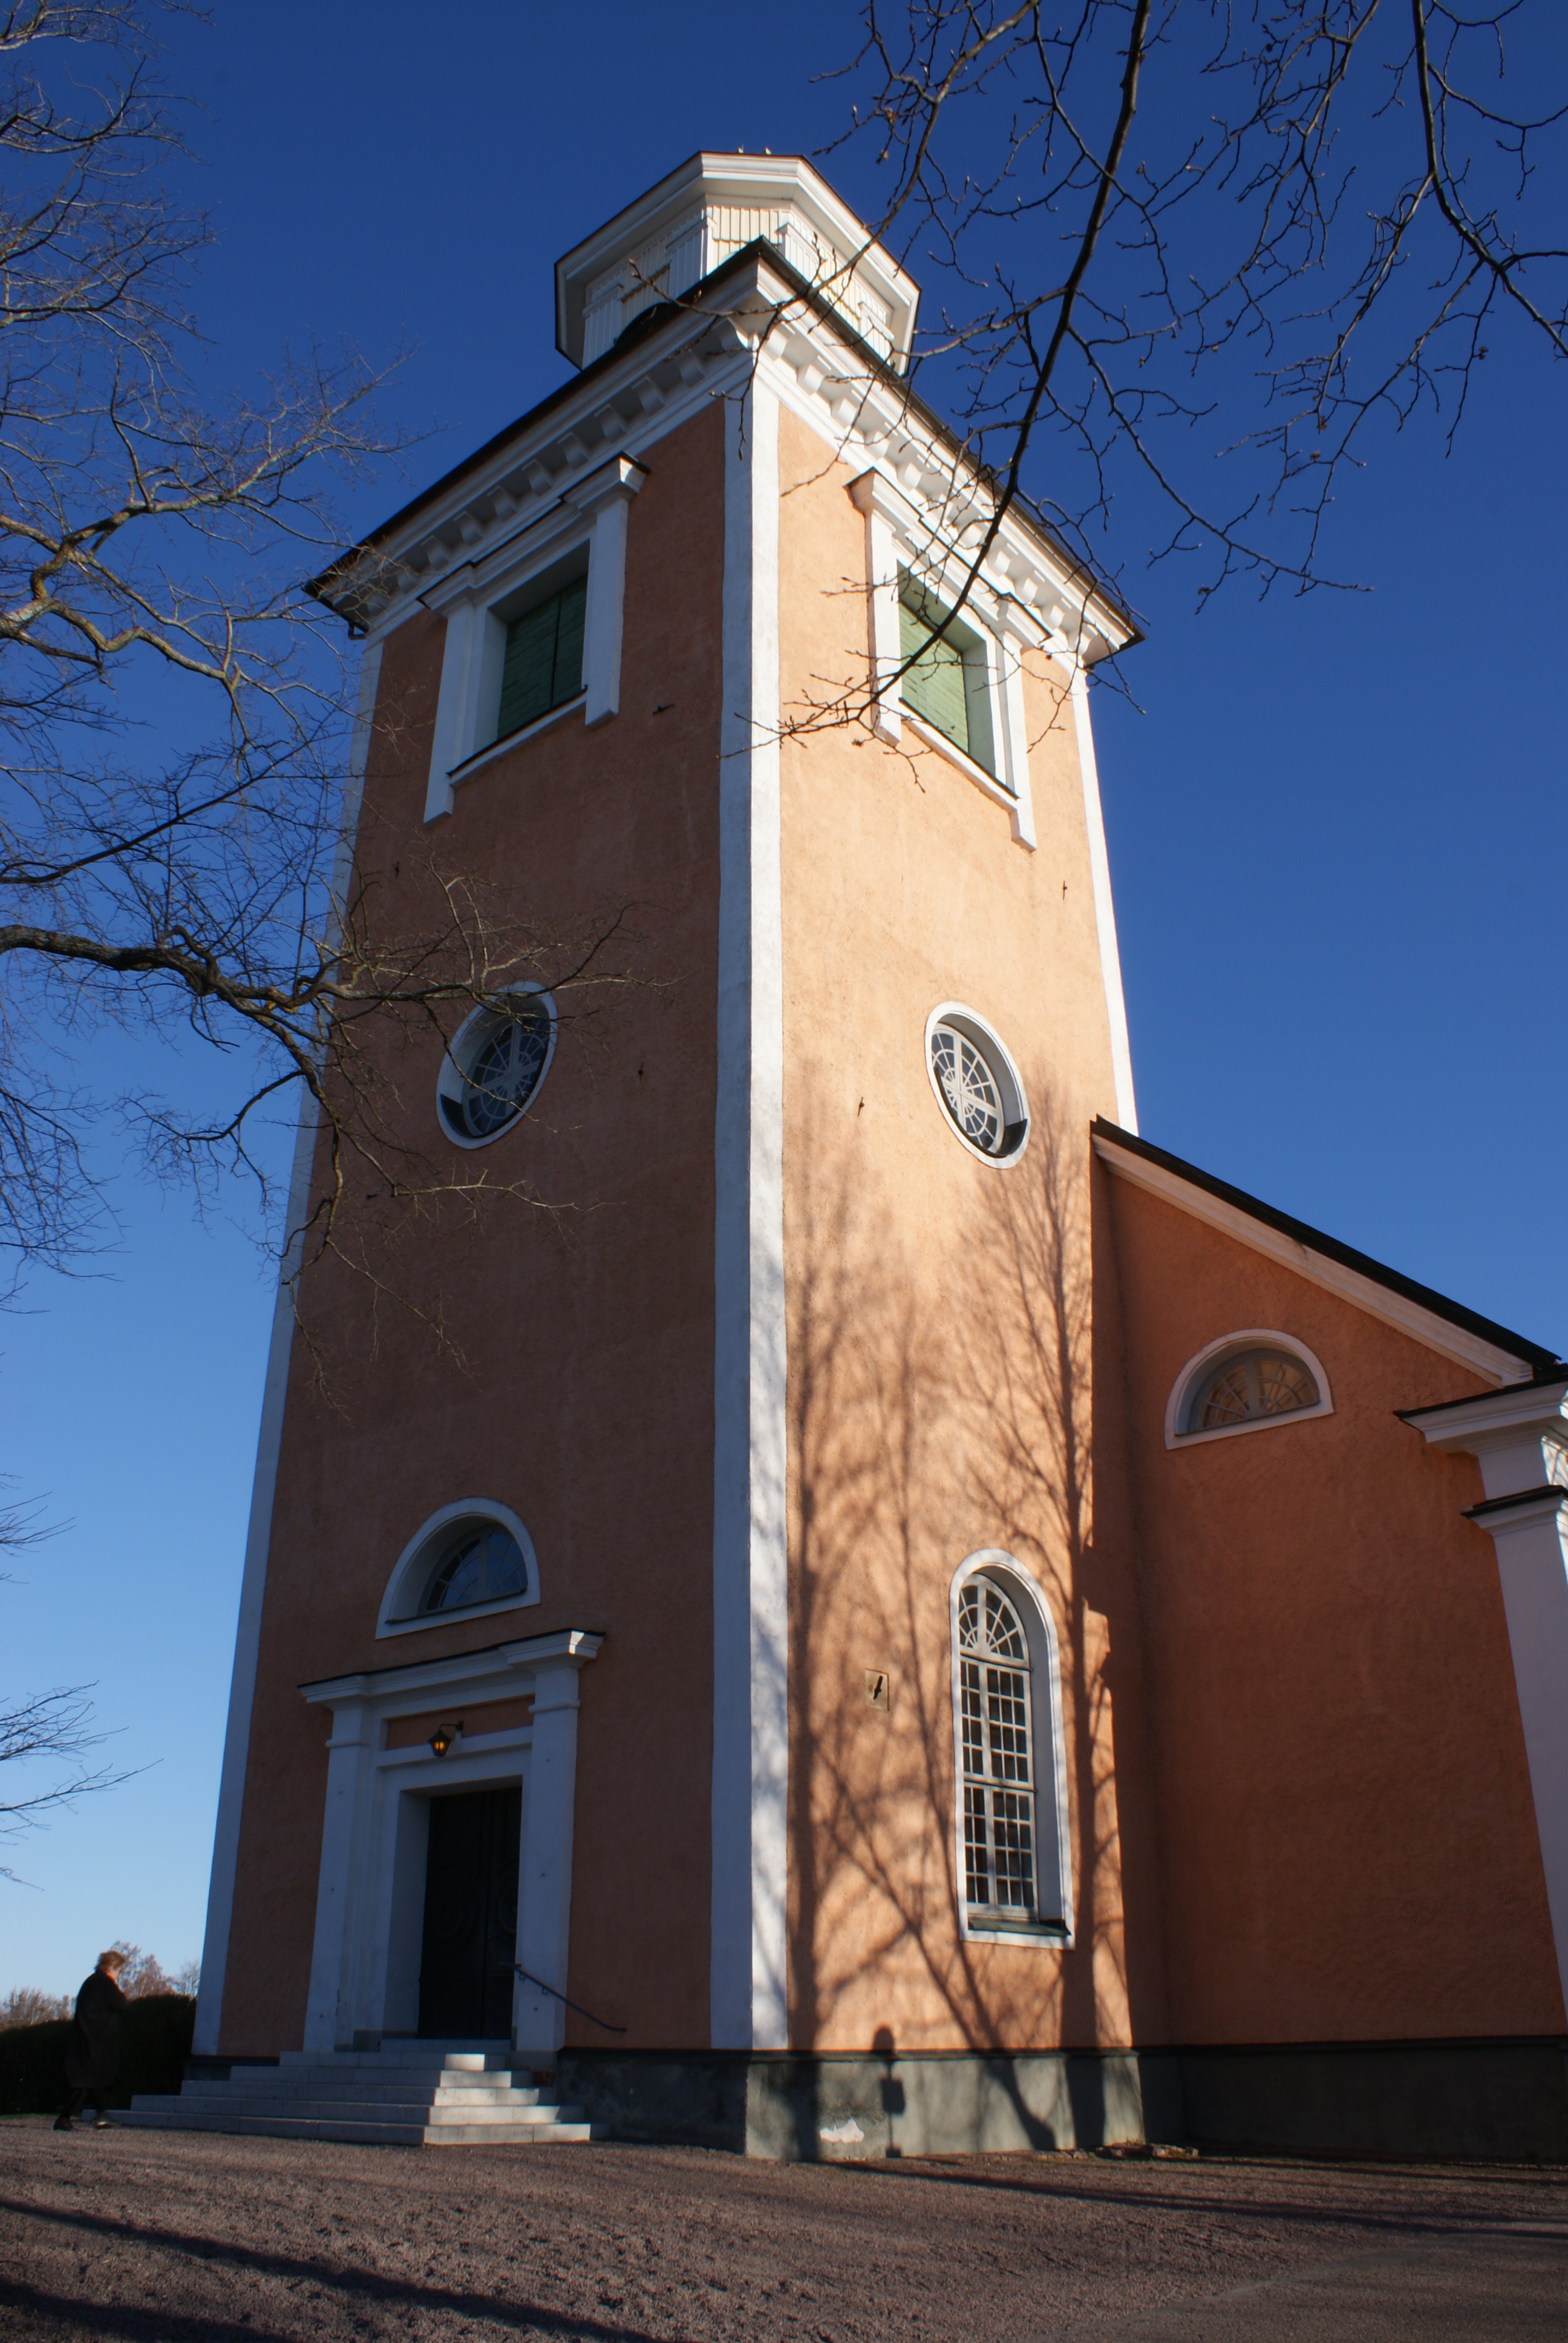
x: 750, y: 1635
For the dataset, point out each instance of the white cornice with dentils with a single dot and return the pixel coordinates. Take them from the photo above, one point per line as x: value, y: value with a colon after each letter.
x: 1410, y: 1318
x: 754, y: 319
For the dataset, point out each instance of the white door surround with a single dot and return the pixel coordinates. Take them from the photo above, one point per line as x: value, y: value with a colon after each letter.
x: 370, y: 1907
x: 1520, y: 1436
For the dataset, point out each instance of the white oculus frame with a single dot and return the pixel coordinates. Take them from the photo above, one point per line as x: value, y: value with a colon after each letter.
x: 1214, y: 1355
x: 1004, y: 1073
x: 401, y: 1615
x: 1052, y: 1843
x: 459, y: 1058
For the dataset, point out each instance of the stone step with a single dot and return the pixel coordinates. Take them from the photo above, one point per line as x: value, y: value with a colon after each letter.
x: 362, y: 2110
x: 475, y: 2089
x: 409, y: 2053
x: 370, y: 2133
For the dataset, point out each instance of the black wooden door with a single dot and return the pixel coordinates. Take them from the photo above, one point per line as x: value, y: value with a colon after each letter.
x: 470, y: 1915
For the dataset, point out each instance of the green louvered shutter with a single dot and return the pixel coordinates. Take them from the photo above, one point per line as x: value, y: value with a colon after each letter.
x: 934, y: 686
x: 543, y: 662
x: 568, y: 675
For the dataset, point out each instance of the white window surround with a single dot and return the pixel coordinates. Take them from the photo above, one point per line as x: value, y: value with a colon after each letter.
x: 1053, y: 1867
x: 957, y: 1012
x: 896, y: 540
x: 455, y: 1060
x: 370, y: 1905
x: 407, y: 1585
x: 592, y: 514
x: 1204, y: 1362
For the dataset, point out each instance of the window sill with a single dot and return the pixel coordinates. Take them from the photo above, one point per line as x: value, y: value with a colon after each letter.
x: 1006, y: 1932
x: 458, y: 1615
x: 964, y: 763
x: 471, y: 765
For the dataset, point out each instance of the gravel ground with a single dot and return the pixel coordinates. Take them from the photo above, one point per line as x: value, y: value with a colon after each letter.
x: 177, y: 2238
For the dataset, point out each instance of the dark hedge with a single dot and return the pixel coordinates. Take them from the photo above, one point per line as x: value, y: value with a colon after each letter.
x: 154, y: 2043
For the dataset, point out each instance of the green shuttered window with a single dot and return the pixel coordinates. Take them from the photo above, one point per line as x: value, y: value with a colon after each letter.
x: 543, y: 662
x: 934, y: 686
x: 947, y: 684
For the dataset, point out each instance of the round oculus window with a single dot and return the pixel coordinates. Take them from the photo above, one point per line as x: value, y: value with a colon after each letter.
x: 494, y: 1067
x: 978, y: 1084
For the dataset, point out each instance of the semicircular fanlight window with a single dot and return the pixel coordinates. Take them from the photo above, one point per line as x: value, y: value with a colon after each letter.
x: 481, y: 1563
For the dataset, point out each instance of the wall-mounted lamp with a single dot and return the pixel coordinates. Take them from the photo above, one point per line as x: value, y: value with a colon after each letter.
x: 441, y: 1740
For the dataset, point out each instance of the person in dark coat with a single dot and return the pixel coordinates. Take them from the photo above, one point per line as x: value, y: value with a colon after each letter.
x: 93, y: 2052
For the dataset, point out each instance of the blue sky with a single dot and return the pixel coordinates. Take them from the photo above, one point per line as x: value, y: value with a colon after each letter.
x: 1333, y: 826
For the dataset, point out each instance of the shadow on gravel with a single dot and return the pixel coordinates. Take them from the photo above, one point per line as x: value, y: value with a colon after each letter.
x: 365, y: 2286
x: 1203, y: 2204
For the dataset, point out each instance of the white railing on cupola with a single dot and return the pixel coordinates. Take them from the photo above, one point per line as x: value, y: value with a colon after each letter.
x: 695, y: 245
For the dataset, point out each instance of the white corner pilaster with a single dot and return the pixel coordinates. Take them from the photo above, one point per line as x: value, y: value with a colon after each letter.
x: 545, y: 1869
x: 269, y: 1441
x: 350, y: 1762
x: 1104, y: 908
x: 750, y: 1656
x: 1520, y: 1436
x: 605, y: 495
x: 880, y: 505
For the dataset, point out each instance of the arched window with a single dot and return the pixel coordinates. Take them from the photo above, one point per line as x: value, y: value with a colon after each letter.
x: 480, y: 1563
x: 1242, y: 1382
x: 470, y: 1558
x: 1009, y: 1716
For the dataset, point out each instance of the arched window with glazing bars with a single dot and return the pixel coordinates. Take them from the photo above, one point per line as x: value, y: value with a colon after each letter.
x: 1010, y: 1824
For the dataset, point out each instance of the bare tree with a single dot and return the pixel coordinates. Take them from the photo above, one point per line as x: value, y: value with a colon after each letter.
x: 56, y: 1728
x: 153, y: 552
x: 1194, y: 252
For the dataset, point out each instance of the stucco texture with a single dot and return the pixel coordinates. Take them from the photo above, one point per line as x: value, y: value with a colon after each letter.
x: 1347, y: 1838
x: 940, y: 1332
x: 573, y: 1375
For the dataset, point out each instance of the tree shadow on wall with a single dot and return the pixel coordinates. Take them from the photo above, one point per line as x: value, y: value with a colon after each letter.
x: 939, y: 1403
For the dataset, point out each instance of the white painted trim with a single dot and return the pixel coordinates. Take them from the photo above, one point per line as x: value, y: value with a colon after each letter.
x: 1249, y: 1338
x: 402, y: 1587
x: 1020, y: 791
x: 750, y: 1620
x: 452, y: 1078
x: 509, y: 740
x: 591, y: 511
x: 1045, y: 1668
x: 269, y: 1438
x: 1497, y: 1420
x: 1104, y: 908
x: 960, y: 1011
x: 1423, y: 1325
x: 987, y: 783
x: 892, y: 524
x: 606, y: 495
x: 1531, y: 1548
x: 869, y: 495
x: 370, y: 1885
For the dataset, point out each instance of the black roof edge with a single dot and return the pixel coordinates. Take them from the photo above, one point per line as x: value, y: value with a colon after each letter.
x: 649, y: 321
x: 1503, y: 1338
x: 1554, y: 1489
